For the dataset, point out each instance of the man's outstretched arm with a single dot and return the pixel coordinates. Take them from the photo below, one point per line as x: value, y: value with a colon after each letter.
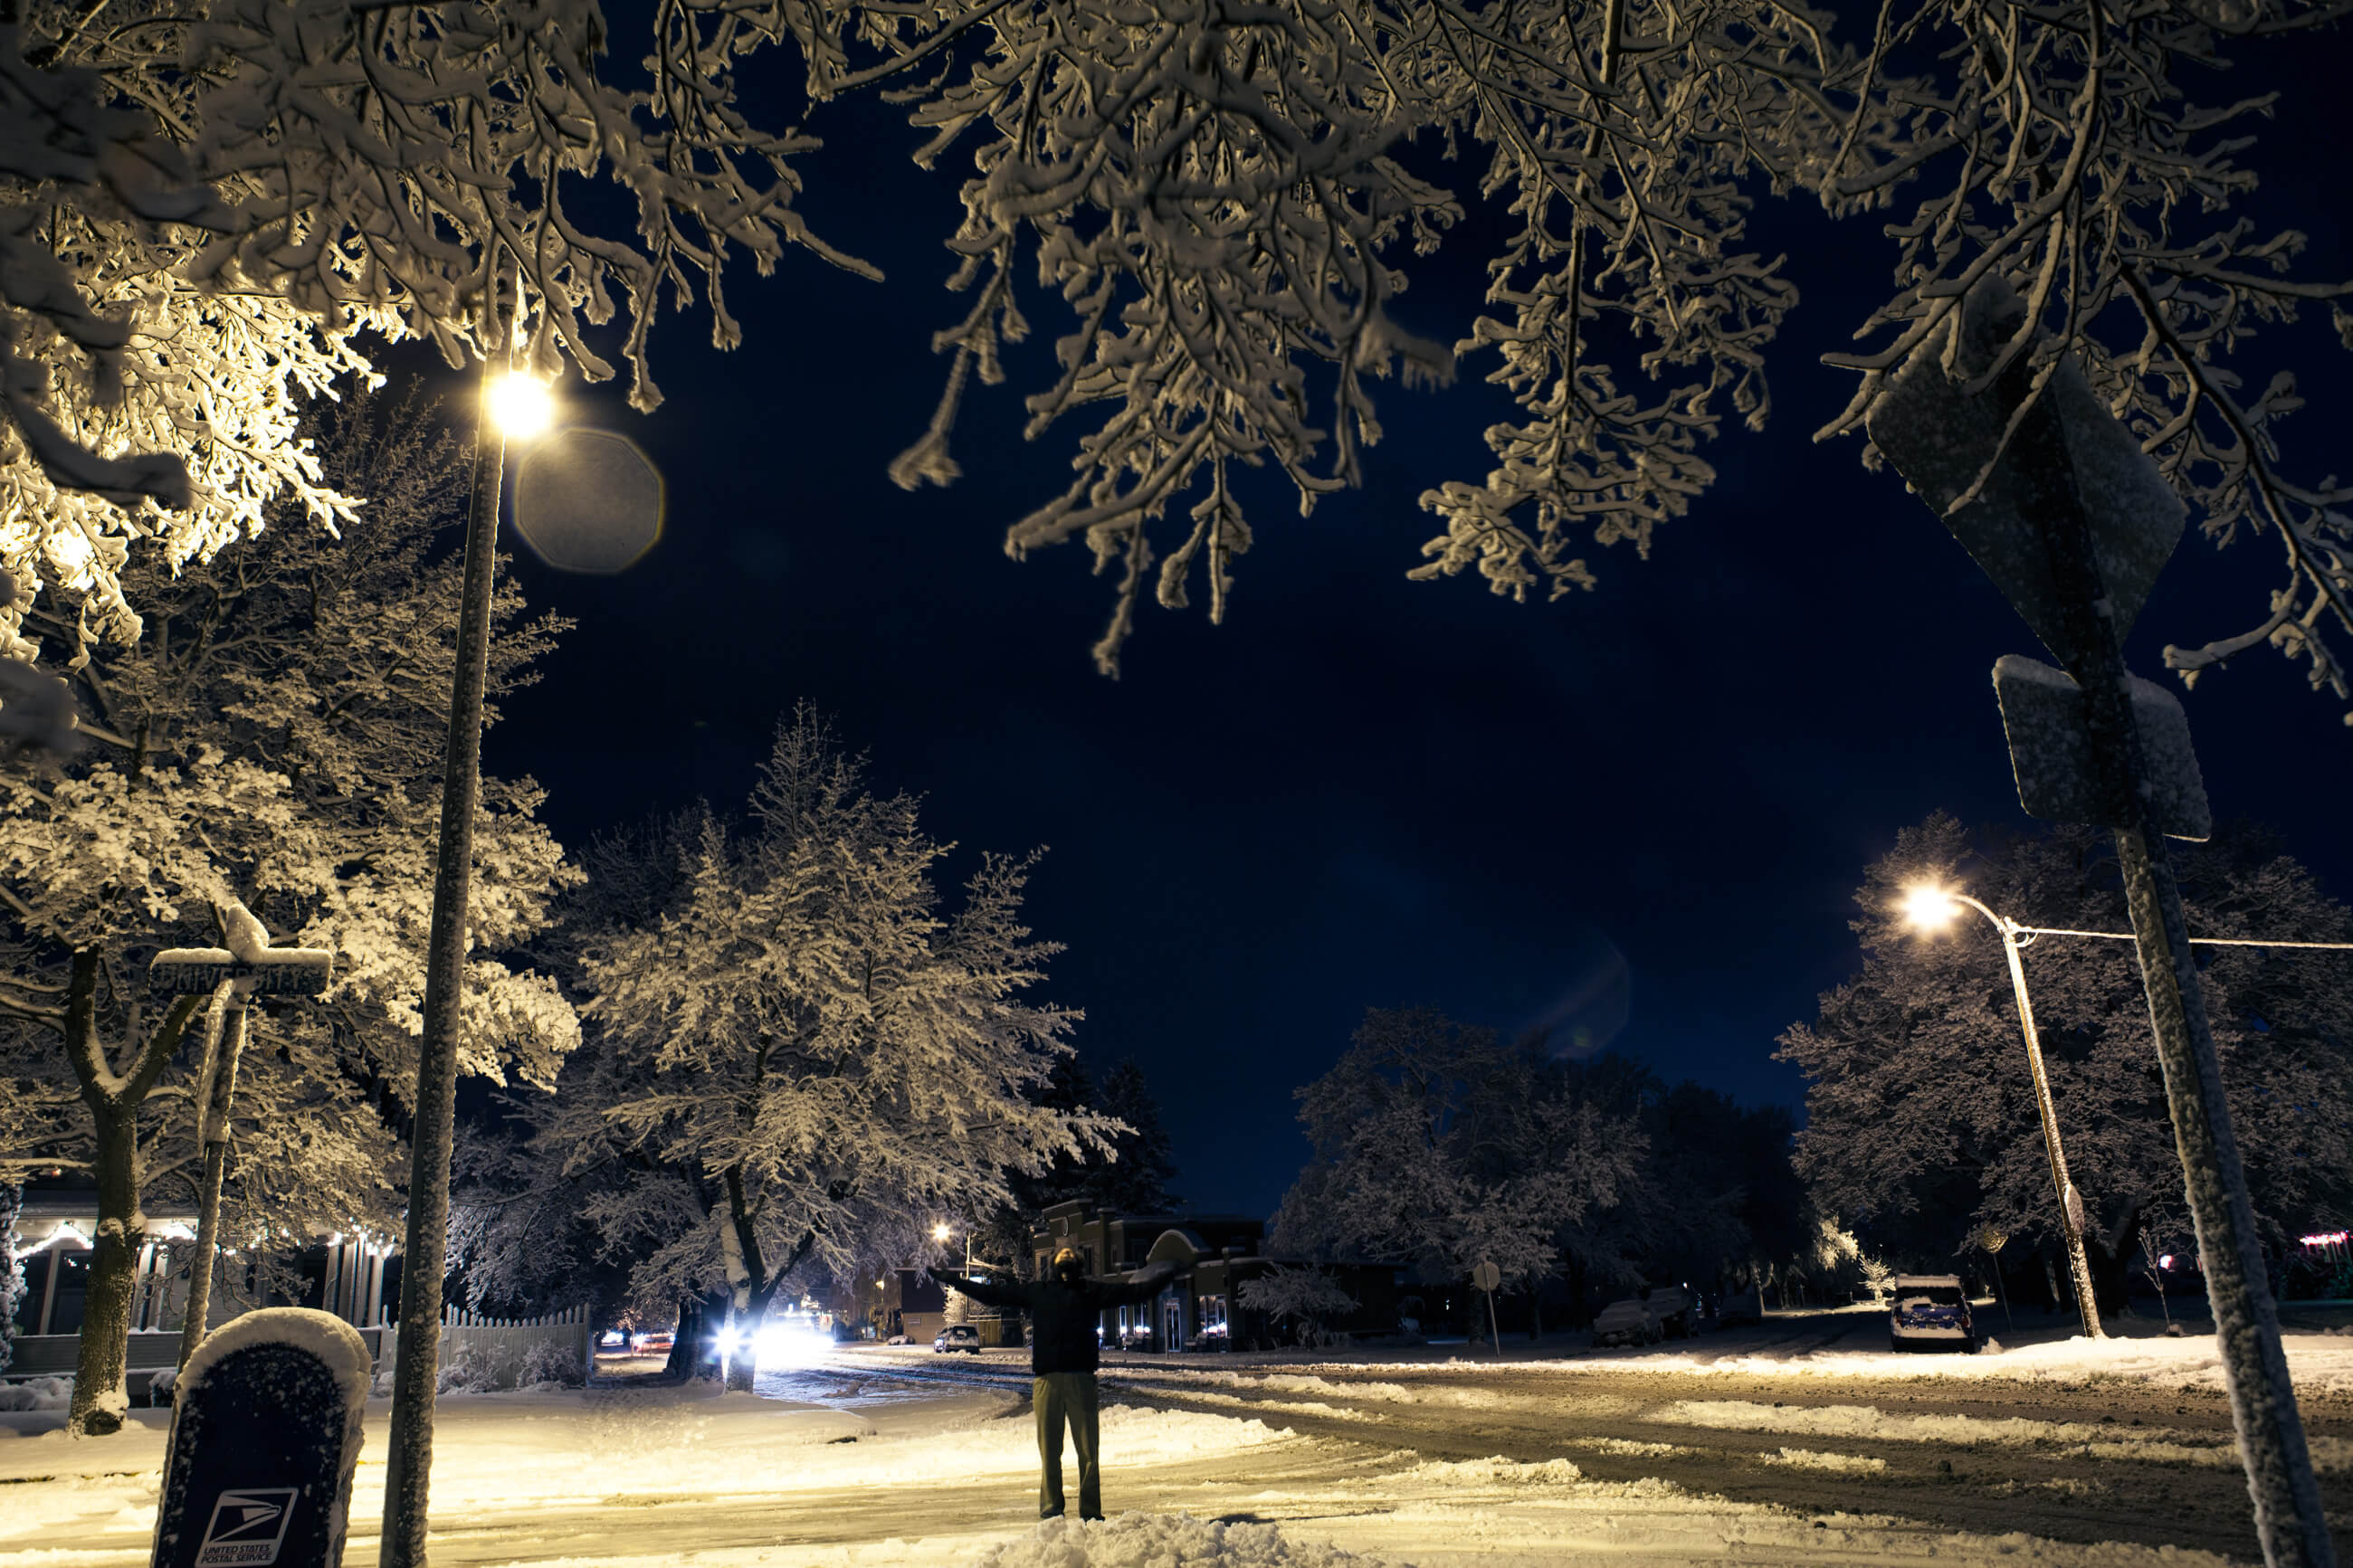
x: 1140, y: 1286
x: 988, y: 1293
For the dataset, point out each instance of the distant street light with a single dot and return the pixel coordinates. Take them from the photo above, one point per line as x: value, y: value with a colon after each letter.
x: 941, y: 1231
x: 512, y: 407
x: 1931, y: 910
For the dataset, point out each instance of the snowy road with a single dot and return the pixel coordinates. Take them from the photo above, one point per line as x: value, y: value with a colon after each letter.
x: 2128, y: 1443
x: 894, y: 1458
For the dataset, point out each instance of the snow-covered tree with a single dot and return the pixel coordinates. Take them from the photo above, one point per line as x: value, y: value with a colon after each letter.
x: 206, y: 205
x: 1921, y: 1122
x: 1228, y: 201
x: 799, y: 1052
x: 275, y: 739
x: 1434, y: 1146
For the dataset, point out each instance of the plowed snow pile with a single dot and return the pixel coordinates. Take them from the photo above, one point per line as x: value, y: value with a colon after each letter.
x: 1171, y: 1541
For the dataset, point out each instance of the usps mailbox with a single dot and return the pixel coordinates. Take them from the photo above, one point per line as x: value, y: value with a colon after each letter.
x: 265, y: 1437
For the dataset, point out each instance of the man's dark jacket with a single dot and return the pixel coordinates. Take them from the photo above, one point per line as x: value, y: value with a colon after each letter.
x: 1063, y: 1317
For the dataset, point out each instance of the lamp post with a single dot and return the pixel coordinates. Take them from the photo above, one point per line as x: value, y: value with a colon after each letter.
x: 511, y: 407
x: 1930, y: 909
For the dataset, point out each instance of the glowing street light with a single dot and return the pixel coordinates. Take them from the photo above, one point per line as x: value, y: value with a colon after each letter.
x: 1931, y: 908
x: 513, y: 405
x: 941, y: 1231
x: 520, y: 405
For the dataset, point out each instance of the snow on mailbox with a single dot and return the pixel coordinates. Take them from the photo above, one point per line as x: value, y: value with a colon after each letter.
x: 264, y: 1438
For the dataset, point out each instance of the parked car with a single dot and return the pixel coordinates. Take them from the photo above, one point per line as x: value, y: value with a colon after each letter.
x: 1627, y: 1323
x: 959, y: 1337
x: 1741, y: 1308
x: 1676, y: 1309
x: 1931, y: 1312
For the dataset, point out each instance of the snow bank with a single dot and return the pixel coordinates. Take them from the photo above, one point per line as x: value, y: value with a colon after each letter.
x: 1148, y: 1540
x: 1813, y: 1459
x: 2102, y: 1440
x: 2320, y: 1361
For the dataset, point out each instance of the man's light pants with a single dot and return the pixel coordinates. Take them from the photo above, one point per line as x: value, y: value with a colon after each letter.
x: 1061, y: 1396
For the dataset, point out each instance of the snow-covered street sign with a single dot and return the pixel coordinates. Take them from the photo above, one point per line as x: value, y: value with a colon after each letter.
x: 2050, y: 751
x: 2073, y: 523
x: 1940, y: 437
x: 1486, y: 1277
x: 261, y: 970
x: 264, y: 1439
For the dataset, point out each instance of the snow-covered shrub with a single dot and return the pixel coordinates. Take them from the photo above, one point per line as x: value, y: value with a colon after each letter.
x: 12, y: 1269
x: 548, y: 1362
x: 1303, y: 1296
x: 159, y: 1391
x: 37, y: 1394
x: 476, y: 1367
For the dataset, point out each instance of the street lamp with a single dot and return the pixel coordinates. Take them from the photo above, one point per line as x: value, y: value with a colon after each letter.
x: 519, y: 404
x: 1931, y: 908
x: 941, y: 1232
x: 513, y: 407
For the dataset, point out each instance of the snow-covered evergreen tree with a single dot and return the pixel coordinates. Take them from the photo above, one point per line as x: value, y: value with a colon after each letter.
x: 799, y: 1052
x: 274, y: 739
x: 1921, y: 1124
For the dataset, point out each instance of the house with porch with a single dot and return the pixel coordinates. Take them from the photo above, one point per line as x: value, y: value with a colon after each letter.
x: 355, y: 1278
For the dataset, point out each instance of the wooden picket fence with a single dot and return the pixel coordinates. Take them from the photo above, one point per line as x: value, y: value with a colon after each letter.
x: 497, y: 1348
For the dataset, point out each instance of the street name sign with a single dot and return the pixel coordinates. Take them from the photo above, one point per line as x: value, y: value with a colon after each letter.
x: 277, y: 972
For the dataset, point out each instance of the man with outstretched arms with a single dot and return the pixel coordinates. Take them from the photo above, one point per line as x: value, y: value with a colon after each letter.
x: 1065, y: 1309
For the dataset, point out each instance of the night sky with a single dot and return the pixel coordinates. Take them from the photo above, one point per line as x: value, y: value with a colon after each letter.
x: 1641, y: 811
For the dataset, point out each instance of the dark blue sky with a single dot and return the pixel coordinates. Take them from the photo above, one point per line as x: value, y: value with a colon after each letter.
x: 1361, y: 791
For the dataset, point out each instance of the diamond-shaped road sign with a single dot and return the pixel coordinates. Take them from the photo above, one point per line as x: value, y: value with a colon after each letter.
x: 1940, y: 439
x: 2050, y: 751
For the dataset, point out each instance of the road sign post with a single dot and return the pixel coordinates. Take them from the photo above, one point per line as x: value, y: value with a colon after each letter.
x: 2072, y: 522
x: 233, y: 976
x: 1486, y: 1277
